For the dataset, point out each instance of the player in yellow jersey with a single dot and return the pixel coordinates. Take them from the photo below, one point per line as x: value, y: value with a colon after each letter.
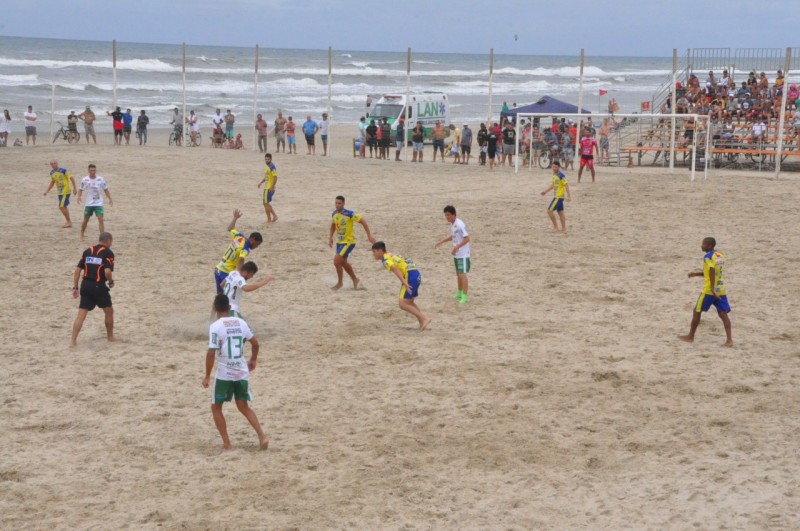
x: 271, y: 178
x: 713, y: 293
x: 342, y: 226
x: 237, y: 251
x: 62, y: 179
x: 409, y: 276
x: 560, y: 187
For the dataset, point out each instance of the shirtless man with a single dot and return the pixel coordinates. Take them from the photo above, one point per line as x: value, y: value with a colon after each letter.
x: 280, y: 132
x: 438, y: 135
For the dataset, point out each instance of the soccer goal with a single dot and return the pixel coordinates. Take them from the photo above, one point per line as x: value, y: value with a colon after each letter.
x: 656, y: 138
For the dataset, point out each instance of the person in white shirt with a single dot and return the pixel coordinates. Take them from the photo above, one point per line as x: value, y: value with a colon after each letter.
x: 227, y: 336
x: 94, y: 186
x: 235, y: 284
x: 5, y: 127
x: 30, y: 126
x: 324, y: 127
x: 194, y: 127
x: 461, y: 252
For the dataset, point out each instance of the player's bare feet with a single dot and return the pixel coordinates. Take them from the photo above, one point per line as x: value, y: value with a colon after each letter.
x: 425, y: 324
x: 263, y: 443
x: 82, y: 237
x: 113, y: 339
x: 337, y: 287
x: 555, y: 229
x: 227, y: 447
x: 688, y: 339
x: 72, y: 344
x: 728, y: 343
x: 66, y: 225
x: 356, y: 282
x: 275, y: 219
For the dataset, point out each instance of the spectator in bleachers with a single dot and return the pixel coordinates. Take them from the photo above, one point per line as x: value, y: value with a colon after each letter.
x: 725, y: 80
x: 758, y: 131
x: 792, y: 95
x: 779, y: 84
x: 711, y: 83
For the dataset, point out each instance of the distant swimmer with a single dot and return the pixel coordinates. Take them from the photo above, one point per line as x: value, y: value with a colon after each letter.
x: 714, y: 293
x: 410, y: 278
x: 342, y: 227
x: 226, y: 341
x: 62, y: 179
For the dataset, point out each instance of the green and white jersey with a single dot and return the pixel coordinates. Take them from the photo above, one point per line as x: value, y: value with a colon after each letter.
x: 227, y: 336
x: 234, y: 287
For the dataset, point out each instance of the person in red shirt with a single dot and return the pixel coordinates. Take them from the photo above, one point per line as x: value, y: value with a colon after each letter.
x: 587, y: 157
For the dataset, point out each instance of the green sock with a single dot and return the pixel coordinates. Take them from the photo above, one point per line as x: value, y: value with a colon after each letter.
x: 464, y: 298
x: 458, y: 294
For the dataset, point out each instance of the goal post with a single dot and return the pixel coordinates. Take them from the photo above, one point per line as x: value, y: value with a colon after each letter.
x: 658, y: 129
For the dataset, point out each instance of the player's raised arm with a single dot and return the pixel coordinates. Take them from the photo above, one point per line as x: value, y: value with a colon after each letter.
x: 236, y: 215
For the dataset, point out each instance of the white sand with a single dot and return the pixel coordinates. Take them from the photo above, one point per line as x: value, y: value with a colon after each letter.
x: 558, y: 397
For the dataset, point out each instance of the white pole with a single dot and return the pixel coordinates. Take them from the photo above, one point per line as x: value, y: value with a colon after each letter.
x: 782, y: 119
x: 184, y: 131
x: 576, y: 140
x: 114, y: 73
x: 672, y: 109
x: 491, y: 77
x: 255, y: 99
x: 516, y: 145
x: 694, y: 142
x: 330, y: 107
x: 52, y: 108
x: 408, y: 105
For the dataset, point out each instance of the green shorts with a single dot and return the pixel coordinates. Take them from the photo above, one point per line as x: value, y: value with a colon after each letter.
x: 462, y: 265
x: 234, y: 313
x: 96, y: 210
x: 224, y: 390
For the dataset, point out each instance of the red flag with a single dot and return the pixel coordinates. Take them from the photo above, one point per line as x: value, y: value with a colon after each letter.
x: 603, y: 92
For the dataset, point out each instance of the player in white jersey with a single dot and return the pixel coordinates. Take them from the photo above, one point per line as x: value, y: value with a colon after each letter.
x: 235, y: 284
x: 227, y: 336
x: 461, y: 253
x: 94, y: 186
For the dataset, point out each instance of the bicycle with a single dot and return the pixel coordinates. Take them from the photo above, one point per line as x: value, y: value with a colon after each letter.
x: 176, y: 137
x: 198, y: 139
x: 72, y: 137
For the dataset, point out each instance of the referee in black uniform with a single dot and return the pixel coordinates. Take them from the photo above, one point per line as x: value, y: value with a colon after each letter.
x: 97, y: 270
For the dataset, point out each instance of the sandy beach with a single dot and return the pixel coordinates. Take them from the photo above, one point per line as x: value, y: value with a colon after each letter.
x: 558, y: 397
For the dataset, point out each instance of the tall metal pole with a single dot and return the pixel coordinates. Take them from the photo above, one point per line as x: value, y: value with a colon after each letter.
x: 114, y: 73
x: 52, y: 109
x: 407, y: 126
x: 491, y: 77
x: 576, y: 140
x: 330, y: 106
x: 183, y: 126
x: 255, y: 99
x: 672, y: 109
x: 782, y: 120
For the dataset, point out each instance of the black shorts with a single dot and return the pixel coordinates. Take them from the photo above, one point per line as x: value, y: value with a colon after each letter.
x: 385, y: 142
x: 117, y: 132
x: 127, y: 128
x: 492, y: 152
x: 372, y: 142
x: 310, y: 140
x: 94, y: 294
x: 465, y: 150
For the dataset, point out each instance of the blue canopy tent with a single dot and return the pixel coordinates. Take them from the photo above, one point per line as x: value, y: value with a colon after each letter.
x: 546, y: 104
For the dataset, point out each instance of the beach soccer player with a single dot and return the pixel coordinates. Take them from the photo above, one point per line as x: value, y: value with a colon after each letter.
x: 713, y: 293
x: 410, y: 278
x: 271, y: 179
x: 237, y: 251
x: 96, y: 267
x: 62, y: 179
x: 587, y: 156
x: 235, y: 285
x: 461, y: 252
x: 560, y: 187
x: 227, y: 337
x: 94, y: 186
x: 342, y: 226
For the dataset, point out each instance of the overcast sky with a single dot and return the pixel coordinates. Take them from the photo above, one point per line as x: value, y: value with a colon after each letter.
x: 608, y: 27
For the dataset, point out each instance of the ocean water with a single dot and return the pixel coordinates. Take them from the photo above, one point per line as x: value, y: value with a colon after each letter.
x: 149, y: 76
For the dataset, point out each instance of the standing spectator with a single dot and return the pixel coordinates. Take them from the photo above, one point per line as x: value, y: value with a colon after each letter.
x: 438, y: 135
x: 509, y: 144
x: 230, y: 119
x: 141, y: 127
x: 261, y: 127
x: 455, y: 139
x: 372, y: 136
x: 127, y: 125
x: 362, y: 137
x: 418, y: 141
x: 88, y: 118
x: 400, y: 138
x: 310, y: 129
x: 177, y: 124
x: 97, y: 267
x: 386, y: 138
x: 72, y: 125
x: 466, y: 144
x: 5, y: 127
x: 280, y: 133
x: 605, y: 130
x: 30, y: 126
x: 116, y: 118
x: 218, y: 120
x: 491, y: 146
x: 483, y: 139
x: 194, y: 127
x: 324, y: 127
x: 291, y: 127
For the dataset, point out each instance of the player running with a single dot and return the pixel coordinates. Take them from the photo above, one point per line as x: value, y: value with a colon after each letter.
x: 409, y: 276
x: 61, y: 178
x: 342, y: 226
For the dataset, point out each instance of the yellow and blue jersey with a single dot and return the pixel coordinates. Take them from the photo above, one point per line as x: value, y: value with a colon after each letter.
x: 559, y: 185
x: 343, y: 221
x: 270, y: 175
x: 403, y: 264
x: 238, y: 250
x: 61, y: 178
x: 713, y: 260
